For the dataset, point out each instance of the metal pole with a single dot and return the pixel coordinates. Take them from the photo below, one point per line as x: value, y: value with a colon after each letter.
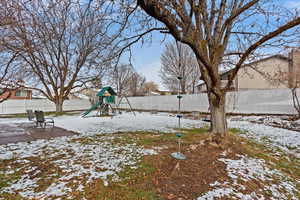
x: 178, y: 155
x: 179, y: 103
x: 179, y: 112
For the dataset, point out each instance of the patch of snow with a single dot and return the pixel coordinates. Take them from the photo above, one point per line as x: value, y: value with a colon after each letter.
x: 75, y: 160
x: 104, y: 159
x: 101, y: 156
x: 284, y: 139
x: 249, y: 169
x: 216, y: 193
x: 125, y: 122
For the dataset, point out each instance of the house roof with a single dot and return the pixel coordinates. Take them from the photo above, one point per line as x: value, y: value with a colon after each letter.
x: 106, y: 89
x: 278, y: 56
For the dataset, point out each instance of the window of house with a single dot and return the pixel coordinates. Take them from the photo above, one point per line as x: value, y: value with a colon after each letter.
x: 21, y: 93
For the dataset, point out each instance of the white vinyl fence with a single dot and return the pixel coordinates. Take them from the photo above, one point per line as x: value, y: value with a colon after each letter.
x: 246, y: 102
x: 20, y: 106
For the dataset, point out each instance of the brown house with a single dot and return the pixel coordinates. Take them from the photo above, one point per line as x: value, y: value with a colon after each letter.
x: 20, y: 93
x: 261, y: 74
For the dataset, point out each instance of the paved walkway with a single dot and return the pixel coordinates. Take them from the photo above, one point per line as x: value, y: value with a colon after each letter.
x: 24, y: 132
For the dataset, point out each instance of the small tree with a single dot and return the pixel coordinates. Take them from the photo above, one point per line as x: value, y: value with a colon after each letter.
x: 126, y: 80
x: 150, y: 87
x: 136, y: 84
x: 179, y: 60
x: 121, y: 77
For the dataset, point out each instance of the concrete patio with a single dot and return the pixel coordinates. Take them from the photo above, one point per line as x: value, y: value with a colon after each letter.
x: 25, y: 132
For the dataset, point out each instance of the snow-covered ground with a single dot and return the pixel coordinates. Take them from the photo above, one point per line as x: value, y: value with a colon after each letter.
x: 245, y: 170
x: 71, y: 160
x: 93, y: 154
x: 162, y: 122
x: 286, y: 140
x: 275, y: 121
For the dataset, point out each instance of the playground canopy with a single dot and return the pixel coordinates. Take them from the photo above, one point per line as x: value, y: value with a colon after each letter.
x: 108, y: 94
x: 105, y: 90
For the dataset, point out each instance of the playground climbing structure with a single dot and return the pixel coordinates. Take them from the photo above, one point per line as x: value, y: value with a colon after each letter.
x: 106, y: 103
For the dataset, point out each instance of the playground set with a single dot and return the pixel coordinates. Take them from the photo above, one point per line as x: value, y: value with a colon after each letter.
x: 106, y: 103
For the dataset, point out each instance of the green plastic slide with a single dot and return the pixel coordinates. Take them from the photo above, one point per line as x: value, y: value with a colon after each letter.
x: 94, y: 107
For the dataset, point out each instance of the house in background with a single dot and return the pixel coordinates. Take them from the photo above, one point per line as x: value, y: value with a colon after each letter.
x: 261, y: 74
x: 19, y: 94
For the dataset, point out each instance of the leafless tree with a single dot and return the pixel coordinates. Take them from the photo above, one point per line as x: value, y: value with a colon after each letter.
x: 136, y: 84
x: 126, y: 80
x: 178, y: 60
x: 65, y: 44
x: 7, y: 13
x: 221, y: 30
x: 121, y: 77
x: 150, y: 87
x: 10, y: 76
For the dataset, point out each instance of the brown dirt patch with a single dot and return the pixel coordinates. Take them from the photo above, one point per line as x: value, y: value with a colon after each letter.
x: 188, y: 179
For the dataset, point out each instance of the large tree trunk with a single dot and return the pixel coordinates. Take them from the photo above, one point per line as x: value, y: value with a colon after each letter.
x: 218, y: 115
x: 59, y: 105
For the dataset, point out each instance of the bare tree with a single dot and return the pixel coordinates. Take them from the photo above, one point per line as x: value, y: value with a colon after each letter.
x: 126, y: 80
x: 136, y: 84
x: 10, y: 76
x: 65, y: 44
x: 220, y: 30
x: 179, y: 60
x: 121, y: 77
x: 194, y: 76
x: 150, y: 87
x: 6, y: 13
